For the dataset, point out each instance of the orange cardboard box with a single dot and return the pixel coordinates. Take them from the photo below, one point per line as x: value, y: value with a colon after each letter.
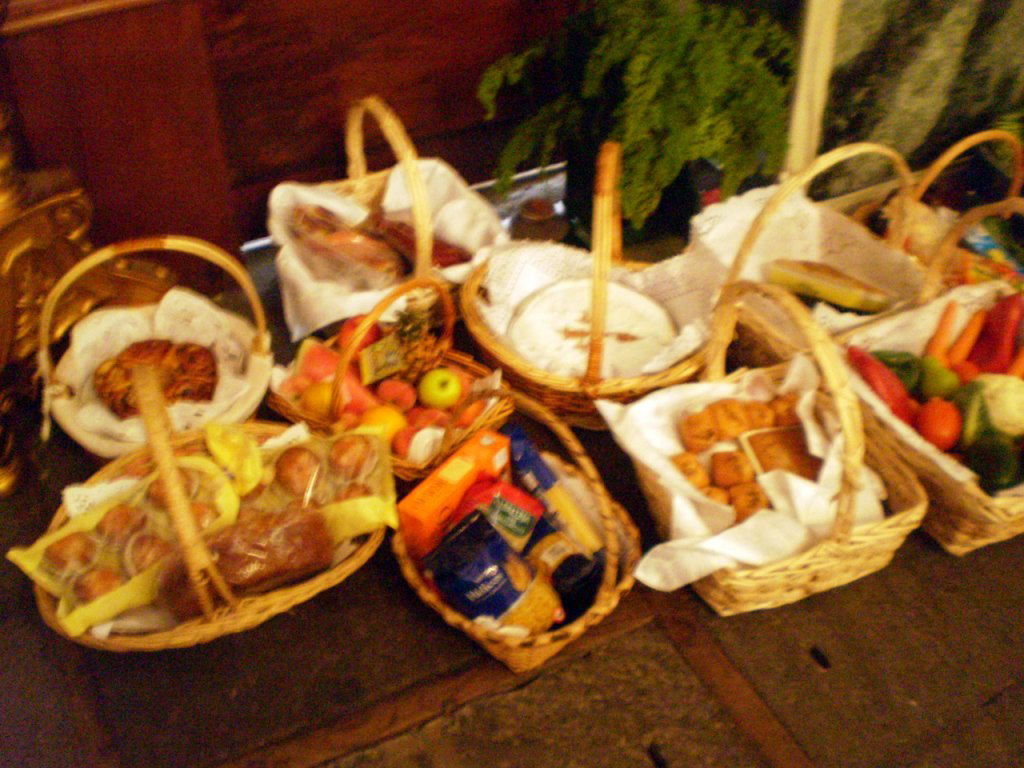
x: 424, y: 513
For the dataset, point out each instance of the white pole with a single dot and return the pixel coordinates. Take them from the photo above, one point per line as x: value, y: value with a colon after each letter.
x: 817, y: 51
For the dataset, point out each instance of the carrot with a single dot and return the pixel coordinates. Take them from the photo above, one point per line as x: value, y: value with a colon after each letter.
x: 938, y: 344
x: 961, y: 348
x: 1017, y: 365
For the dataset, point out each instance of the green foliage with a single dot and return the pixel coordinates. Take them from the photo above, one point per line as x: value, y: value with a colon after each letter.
x: 672, y: 81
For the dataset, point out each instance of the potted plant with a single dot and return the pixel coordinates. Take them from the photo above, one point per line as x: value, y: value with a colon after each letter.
x: 675, y: 82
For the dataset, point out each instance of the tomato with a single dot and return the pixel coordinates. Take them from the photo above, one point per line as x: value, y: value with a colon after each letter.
x: 939, y: 422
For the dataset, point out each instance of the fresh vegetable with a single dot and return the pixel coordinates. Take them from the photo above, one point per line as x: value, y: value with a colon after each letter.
x: 970, y: 400
x: 939, y: 422
x: 905, y: 365
x: 883, y: 381
x: 1017, y: 365
x: 1004, y: 401
x: 942, y: 336
x: 936, y: 379
x: 964, y: 343
x: 994, y: 349
x: 966, y: 371
x: 995, y: 459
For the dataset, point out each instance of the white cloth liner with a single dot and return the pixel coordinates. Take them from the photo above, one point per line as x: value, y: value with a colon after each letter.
x: 180, y: 316
x: 461, y: 216
x: 703, y: 536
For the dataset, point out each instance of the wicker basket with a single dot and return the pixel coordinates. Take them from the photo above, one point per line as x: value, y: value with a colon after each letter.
x: 572, y: 398
x: 850, y: 552
x: 236, y: 614
x: 916, y: 192
x: 769, y: 335
x: 439, y: 352
x: 57, y: 395
x: 962, y: 517
x: 521, y: 654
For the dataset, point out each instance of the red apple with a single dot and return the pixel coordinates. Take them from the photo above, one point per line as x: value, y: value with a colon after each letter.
x: 356, y: 396
x: 402, y: 440
x: 428, y: 417
x: 398, y: 393
x: 348, y: 330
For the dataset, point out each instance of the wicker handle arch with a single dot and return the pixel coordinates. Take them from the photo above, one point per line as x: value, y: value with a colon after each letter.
x: 176, y: 243
x: 371, y: 318
x: 607, y: 250
x: 198, y: 561
x: 982, y: 137
x: 939, y: 263
x: 800, y: 181
x: 829, y: 363
x: 405, y: 152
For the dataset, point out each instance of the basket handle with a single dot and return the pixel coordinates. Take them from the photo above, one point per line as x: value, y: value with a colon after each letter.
x: 829, y: 363
x: 198, y: 560
x: 348, y: 353
x: 944, y: 251
x: 607, y: 250
x: 178, y: 243
x: 396, y: 136
x: 942, y: 162
x: 801, y: 180
x: 544, y: 415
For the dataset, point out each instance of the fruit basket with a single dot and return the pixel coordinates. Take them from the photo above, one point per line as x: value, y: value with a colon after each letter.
x: 572, y: 396
x: 136, y: 555
x: 345, y: 244
x: 618, y: 540
x: 970, y: 467
x: 216, y: 361
x: 427, y: 396
x: 816, y: 525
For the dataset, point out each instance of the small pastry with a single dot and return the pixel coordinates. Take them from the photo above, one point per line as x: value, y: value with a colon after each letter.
x: 746, y: 499
x: 730, y: 416
x: 143, y: 550
x: 72, y: 552
x: 352, y: 456
x: 698, y: 431
x: 785, y: 409
x: 120, y: 522
x: 721, y: 495
x: 97, y: 582
x: 296, y: 469
x: 692, y: 469
x: 759, y: 415
x: 729, y: 468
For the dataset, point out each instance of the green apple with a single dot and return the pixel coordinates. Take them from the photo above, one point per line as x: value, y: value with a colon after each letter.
x: 440, y: 388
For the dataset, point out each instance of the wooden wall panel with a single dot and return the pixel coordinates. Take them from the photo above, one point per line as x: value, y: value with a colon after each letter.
x: 127, y: 101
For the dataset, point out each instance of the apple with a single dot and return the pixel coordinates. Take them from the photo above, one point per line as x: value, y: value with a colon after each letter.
x: 470, y: 413
x: 398, y: 393
x: 348, y: 330
x: 440, y: 388
x: 428, y: 417
x: 402, y: 440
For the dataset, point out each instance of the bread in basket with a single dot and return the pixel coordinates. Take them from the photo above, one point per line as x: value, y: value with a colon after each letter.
x: 214, y: 363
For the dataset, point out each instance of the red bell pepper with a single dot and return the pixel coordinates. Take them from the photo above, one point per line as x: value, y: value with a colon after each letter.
x: 883, y: 381
x: 993, y: 351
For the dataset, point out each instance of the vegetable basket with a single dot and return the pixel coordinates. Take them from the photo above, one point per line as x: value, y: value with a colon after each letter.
x: 849, y: 551
x: 962, y: 516
x: 572, y: 397
x: 68, y: 393
x: 621, y: 547
x: 223, y: 612
x: 421, y: 206
x: 430, y: 296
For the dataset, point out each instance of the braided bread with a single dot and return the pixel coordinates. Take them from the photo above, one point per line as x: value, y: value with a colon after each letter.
x: 187, y: 372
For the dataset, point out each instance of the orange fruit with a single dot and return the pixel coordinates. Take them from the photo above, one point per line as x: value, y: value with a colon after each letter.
x: 939, y: 422
x: 389, y: 418
x: 315, y: 400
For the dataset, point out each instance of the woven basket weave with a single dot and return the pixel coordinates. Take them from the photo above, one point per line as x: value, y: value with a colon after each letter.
x: 572, y: 398
x: 962, y: 517
x: 521, y: 654
x: 850, y: 552
x: 234, y: 614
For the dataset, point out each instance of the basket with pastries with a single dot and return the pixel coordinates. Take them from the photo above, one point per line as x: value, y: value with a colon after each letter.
x: 395, y: 368
x: 765, y: 485
x: 212, y: 363
x: 515, y: 541
x: 208, y: 532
